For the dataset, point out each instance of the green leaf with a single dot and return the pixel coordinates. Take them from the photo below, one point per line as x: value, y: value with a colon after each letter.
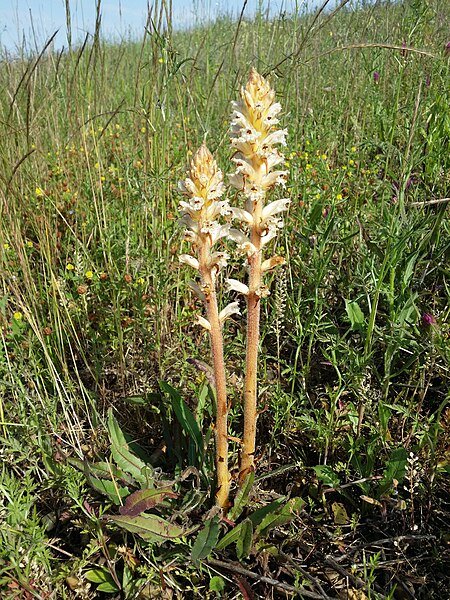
x: 327, y: 476
x: 99, y: 576
x: 142, y: 500
x: 396, y: 469
x: 217, y: 584
x: 150, y: 401
x: 244, y: 543
x: 206, y: 540
x: 355, y: 314
x: 409, y: 269
x: 125, y: 459
x: 104, y: 470
x: 149, y: 527
x: 186, y: 419
x: 339, y: 513
x: 285, y: 514
x: 241, y: 499
x: 104, y: 578
x: 255, y: 518
x: 109, y: 588
x: 110, y: 489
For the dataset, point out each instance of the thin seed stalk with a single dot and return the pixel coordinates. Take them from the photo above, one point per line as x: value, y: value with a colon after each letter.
x: 221, y: 425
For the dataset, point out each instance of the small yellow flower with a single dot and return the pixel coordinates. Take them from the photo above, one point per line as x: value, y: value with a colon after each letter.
x: 339, y: 197
x: 89, y: 274
x: 141, y: 280
x: 39, y: 192
x: 70, y: 267
x: 29, y: 244
x: 353, y: 148
x: 97, y: 165
x: 161, y: 60
x: 17, y: 316
x: 308, y: 166
x: 143, y: 130
x: 351, y: 162
x: 6, y: 246
x: 324, y: 157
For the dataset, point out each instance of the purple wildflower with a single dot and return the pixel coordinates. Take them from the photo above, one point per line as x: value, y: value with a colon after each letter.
x: 376, y: 77
x: 428, y: 320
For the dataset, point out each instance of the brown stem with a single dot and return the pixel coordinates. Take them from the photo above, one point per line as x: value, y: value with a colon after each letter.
x: 221, y: 429
x: 247, y: 463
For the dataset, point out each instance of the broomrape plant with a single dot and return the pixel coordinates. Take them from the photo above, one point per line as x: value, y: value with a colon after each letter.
x: 254, y: 139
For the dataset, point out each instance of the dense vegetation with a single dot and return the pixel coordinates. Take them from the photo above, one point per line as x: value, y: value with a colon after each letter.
x: 101, y: 389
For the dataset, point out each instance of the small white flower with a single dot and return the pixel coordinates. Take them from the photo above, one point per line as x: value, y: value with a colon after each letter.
x: 269, y: 234
x: 231, y: 309
x: 219, y: 259
x: 271, y: 263
x: 237, y: 286
x: 203, y: 322
x: 187, y: 259
x: 218, y: 231
x: 276, y: 137
x: 274, y: 208
x: 242, y: 241
x: 241, y: 215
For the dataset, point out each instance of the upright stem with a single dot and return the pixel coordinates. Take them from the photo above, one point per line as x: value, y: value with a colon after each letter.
x: 221, y: 428
x: 247, y: 463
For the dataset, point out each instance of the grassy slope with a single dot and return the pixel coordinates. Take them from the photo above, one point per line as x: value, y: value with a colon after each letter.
x: 95, y: 308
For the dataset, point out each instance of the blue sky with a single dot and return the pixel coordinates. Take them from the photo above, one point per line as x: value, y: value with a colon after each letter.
x: 36, y: 20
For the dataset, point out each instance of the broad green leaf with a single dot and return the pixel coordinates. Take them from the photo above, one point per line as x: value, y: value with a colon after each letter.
x: 142, y: 500
x: 125, y: 459
x: 285, y: 514
x: 206, y: 540
x: 149, y: 527
x: 241, y: 499
x: 109, y: 588
x: 255, y: 518
x: 99, y: 576
x: 327, y: 476
x: 104, y: 470
x: 109, y: 488
x: 355, y: 314
x: 395, y: 469
x: 244, y: 543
